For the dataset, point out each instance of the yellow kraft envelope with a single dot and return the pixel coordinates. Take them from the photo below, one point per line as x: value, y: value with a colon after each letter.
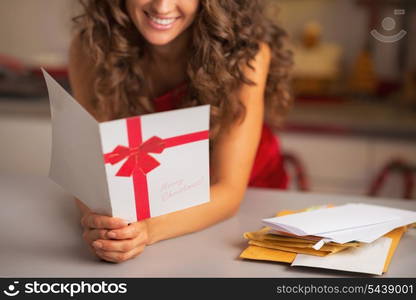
x: 276, y: 241
x: 290, y: 249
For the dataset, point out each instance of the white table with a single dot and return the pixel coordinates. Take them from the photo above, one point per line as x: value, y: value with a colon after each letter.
x: 40, y: 236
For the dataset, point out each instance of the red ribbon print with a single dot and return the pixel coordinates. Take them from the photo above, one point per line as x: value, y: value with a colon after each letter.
x: 139, y: 162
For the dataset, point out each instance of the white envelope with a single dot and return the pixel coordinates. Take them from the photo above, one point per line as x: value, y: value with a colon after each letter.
x: 350, y: 222
x: 369, y: 233
x: 132, y: 168
x: 331, y: 219
x: 368, y: 258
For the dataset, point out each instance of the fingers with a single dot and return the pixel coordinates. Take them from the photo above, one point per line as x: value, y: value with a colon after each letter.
x: 113, y: 250
x: 120, y: 245
x: 112, y: 240
x: 128, y: 232
x: 102, y: 222
x: 118, y: 257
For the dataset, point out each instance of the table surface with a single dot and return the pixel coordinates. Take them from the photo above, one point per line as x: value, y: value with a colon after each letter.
x: 40, y: 236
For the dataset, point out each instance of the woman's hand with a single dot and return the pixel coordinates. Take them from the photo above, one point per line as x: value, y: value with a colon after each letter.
x: 112, y: 239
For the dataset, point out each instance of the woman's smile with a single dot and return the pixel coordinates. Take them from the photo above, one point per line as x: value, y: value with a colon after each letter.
x: 160, y: 23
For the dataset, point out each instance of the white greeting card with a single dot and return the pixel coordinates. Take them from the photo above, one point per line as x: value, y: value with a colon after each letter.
x: 133, y: 168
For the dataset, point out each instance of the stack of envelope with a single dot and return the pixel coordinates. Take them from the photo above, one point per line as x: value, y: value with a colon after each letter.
x: 352, y: 237
x: 263, y: 238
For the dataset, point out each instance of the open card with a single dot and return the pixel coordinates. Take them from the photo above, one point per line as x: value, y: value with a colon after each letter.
x: 133, y: 168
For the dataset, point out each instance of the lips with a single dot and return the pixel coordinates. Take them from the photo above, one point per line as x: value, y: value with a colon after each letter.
x: 160, y: 23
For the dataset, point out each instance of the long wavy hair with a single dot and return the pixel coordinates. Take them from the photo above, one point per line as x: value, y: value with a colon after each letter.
x: 225, y: 38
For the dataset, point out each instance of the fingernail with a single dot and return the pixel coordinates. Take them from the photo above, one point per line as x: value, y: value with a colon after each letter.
x: 112, y: 234
x: 97, y: 244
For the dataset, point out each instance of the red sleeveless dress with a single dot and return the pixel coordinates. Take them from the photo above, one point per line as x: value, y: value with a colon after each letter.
x: 268, y: 170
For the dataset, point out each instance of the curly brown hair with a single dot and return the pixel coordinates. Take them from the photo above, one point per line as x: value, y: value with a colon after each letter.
x: 225, y: 37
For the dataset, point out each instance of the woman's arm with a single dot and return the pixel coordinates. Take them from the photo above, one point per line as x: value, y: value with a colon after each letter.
x: 232, y: 160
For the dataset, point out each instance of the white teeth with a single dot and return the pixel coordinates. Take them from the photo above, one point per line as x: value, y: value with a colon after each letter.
x: 162, y: 21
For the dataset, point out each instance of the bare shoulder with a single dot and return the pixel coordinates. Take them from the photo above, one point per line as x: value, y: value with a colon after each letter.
x: 257, y: 71
x: 78, y: 60
x: 80, y: 72
x: 264, y: 54
x: 260, y: 64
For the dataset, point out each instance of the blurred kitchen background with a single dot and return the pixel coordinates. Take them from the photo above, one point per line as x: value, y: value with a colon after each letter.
x: 352, y: 129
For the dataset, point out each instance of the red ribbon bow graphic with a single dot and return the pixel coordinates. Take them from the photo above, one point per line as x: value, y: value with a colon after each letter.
x: 138, y: 157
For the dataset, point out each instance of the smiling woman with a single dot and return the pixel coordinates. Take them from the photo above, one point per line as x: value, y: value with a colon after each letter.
x: 162, y: 25
x: 135, y: 57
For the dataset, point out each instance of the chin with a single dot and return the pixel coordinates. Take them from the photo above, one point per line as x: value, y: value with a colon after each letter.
x: 158, y: 40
